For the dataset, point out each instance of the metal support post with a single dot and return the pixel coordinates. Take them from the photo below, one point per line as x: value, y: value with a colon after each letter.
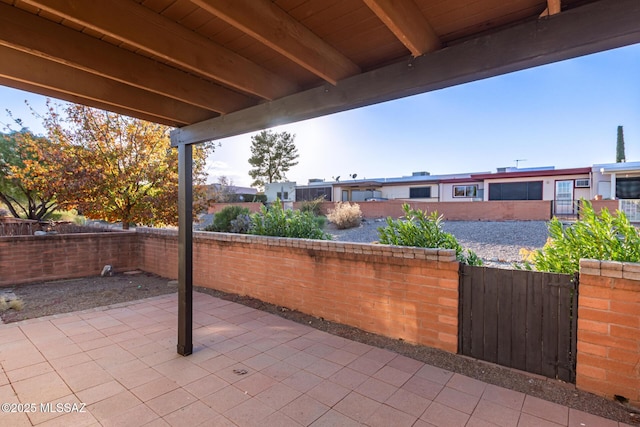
x: 185, y: 249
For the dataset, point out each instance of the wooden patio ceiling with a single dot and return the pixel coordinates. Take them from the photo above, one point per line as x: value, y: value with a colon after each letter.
x: 216, y: 68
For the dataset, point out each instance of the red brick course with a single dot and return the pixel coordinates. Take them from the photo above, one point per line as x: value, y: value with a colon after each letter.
x: 406, y: 293
x: 530, y: 210
x: 608, y: 359
x: 26, y: 259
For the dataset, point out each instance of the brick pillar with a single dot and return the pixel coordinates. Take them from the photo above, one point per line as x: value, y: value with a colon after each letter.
x: 608, y: 359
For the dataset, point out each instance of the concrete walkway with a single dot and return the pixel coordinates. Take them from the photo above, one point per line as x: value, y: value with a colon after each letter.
x: 117, y: 366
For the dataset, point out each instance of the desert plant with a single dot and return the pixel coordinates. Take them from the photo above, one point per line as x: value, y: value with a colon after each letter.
x: 10, y: 304
x: 605, y: 237
x: 345, y: 215
x: 424, y: 231
x: 275, y: 221
x: 242, y: 224
x: 320, y: 221
x: 312, y: 206
x: 222, y: 220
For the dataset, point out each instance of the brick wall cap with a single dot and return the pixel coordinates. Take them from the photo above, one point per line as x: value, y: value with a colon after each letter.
x: 631, y: 267
x: 608, y: 268
x: 611, y: 265
x: 444, y: 255
x: 589, y: 263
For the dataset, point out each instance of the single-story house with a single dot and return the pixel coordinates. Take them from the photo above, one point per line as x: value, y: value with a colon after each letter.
x: 563, y: 187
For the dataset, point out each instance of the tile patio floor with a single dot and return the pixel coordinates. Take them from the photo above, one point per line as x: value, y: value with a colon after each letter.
x: 121, y: 362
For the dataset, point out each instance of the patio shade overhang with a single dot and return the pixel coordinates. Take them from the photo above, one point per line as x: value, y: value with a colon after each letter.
x: 218, y: 68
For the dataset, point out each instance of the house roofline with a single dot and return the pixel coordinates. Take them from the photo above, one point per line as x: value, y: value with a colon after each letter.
x: 527, y: 174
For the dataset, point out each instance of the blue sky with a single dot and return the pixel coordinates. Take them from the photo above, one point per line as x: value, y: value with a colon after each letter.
x: 564, y: 115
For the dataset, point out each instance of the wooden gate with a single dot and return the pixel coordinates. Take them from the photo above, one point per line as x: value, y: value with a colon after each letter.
x: 520, y: 319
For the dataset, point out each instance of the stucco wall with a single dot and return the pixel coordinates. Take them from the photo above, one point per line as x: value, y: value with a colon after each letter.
x: 548, y: 185
x: 446, y: 194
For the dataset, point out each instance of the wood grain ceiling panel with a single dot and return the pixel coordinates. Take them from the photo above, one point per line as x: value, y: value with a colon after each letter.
x: 279, y: 31
x: 407, y: 23
x: 161, y: 37
x: 178, y: 10
x: 353, y: 29
x: 457, y: 19
x: 157, y: 6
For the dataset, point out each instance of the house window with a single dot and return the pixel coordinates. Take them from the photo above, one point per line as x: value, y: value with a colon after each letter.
x: 628, y: 188
x: 420, y: 193
x: 307, y: 194
x: 582, y: 183
x: 516, y: 191
x: 286, y: 195
x: 465, y: 191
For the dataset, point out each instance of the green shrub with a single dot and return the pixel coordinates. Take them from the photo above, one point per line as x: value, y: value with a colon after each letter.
x: 424, y: 231
x: 320, y: 221
x: 275, y: 221
x: 241, y: 225
x: 604, y: 237
x: 312, y: 206
x: 222, y: 220
x: 345, y: 215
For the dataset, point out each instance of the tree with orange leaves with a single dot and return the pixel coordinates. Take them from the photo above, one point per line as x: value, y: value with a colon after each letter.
x: 126, y: 170
x: 33, y: 172
x: 109, y: 167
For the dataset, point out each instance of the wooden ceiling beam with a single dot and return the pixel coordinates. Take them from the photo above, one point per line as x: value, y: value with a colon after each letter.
x: 266, y: 22
x: 533, y: 43
x: 150, y: 32
x: 407, y: 23
x: 27, y: 32
x: 38, y: 72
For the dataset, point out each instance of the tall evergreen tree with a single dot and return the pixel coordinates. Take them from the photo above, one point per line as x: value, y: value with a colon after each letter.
x: 272, y: 155
x: 620, y: 156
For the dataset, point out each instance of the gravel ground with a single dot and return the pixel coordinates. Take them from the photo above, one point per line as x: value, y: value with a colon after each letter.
x: 497, y: 243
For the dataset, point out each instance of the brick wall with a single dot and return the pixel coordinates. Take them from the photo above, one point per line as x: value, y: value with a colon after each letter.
x: 406, y: 293
x: 530, y: 210
x: 26, y: 259
x: 611, y: 205
x: 159, y: 251
x: 608, y: 359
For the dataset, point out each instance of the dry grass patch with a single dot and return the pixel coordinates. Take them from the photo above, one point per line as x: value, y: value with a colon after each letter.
x: 345, y: 215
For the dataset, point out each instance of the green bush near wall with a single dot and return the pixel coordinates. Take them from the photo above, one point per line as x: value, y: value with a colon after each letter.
x: 423, y: 230
x: 276, y: 221
x: 605, y: 237
x: 222, y: 220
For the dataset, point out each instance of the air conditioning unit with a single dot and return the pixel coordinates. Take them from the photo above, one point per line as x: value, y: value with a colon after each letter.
x: 583, y: 183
